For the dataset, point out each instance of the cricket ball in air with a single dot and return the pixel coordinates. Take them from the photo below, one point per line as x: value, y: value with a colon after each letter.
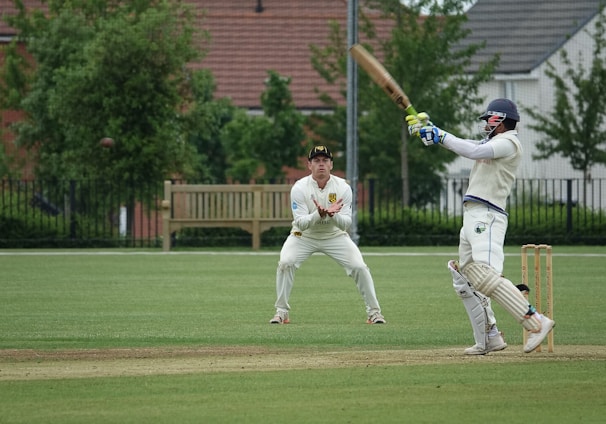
x: 107, y: 142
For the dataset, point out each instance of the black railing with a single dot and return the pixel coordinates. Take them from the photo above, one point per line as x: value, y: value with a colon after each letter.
x: 96, y: 214
x: 79, y: 214
x: 551, y: 210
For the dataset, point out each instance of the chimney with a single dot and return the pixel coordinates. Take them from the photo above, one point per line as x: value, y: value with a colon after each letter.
x: 259, y: 7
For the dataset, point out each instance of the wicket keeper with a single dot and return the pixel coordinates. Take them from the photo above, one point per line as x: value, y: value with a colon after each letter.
x: 321, y: 208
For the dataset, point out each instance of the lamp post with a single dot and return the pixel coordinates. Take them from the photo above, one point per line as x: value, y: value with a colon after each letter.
x: 352, y: 116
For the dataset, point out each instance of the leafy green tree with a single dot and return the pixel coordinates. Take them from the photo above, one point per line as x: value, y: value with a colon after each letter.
x: 576, y: 127
x: 260, y: 146
x: 204, y: 123
x: 239, y: 138
x: 13, y: 85
x: 4, y: 166
x: 425, y: 56
x: 107, y: 69
x: 286, y: 136
x: 13, y: 81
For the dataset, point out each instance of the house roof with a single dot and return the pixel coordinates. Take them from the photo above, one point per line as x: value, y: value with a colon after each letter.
x: 246, y: 43
x: 524, y: 32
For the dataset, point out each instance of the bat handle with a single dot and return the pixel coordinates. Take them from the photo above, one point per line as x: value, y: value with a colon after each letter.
x: 411, y: 110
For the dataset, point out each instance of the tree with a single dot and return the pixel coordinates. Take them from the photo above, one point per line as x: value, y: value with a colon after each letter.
x: 260, y: 146
x: 424, y: 56
x: 108, y: 68
x: 239, y: 140
x: 204, y: 121
x: 13, y: 85
x: 13, y: 82
x: 286, y: 136
x: 575, y: 128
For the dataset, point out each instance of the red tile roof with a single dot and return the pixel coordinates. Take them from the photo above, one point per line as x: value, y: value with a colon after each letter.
x: 246, y: 44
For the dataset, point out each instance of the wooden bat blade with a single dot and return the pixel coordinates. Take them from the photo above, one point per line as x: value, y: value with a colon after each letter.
x: 381, y: 77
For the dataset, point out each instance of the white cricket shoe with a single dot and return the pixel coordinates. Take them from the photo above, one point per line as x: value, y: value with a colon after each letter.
x: 494, y: 344
x: 280, y: 318
x: 376, y: 318
x: 535, y: 339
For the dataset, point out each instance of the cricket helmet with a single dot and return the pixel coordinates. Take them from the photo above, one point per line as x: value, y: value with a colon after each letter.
x: 500, y: 109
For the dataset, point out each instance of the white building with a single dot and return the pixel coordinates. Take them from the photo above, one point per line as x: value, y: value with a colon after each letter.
x: 528, y: 34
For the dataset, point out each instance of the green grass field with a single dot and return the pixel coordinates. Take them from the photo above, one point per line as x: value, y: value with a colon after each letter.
x: 128, y: 336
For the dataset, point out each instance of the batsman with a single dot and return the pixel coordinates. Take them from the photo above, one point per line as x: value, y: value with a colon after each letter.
x: 477, y: 275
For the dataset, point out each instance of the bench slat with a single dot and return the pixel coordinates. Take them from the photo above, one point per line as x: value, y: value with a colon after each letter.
x: 253, y: 207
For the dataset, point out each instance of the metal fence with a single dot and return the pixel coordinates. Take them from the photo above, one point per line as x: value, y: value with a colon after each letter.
x: 79, y: 214
x: 545, y: 210
x: 85, y: 213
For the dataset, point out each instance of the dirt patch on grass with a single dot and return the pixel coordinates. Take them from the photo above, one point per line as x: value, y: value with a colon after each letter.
x: 40, y: 365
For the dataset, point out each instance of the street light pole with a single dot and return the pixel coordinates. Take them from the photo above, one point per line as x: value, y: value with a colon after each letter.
x: 352, y: 116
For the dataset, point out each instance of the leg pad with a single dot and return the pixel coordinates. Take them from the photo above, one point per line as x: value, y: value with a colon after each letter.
x: 488, y: 281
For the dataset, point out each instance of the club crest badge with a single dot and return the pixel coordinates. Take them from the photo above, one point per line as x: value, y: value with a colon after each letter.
x: 479, y: 228
x: 332, y: 197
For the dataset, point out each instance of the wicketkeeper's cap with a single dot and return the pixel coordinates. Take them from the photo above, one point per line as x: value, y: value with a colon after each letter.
x: 319, y: 150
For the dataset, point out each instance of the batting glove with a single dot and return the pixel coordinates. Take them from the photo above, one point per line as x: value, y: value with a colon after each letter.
x: 431, y: 135
x: 416, y: 122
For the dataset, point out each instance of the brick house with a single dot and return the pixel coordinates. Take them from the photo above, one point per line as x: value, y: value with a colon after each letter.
x: 251, y: 37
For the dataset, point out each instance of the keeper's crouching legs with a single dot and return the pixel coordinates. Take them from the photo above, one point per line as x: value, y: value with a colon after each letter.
x: 488, y: 281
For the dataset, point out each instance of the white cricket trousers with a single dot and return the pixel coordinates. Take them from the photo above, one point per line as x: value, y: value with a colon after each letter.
x: 481, y: 240
x: 482, y: 236
x: 341, y: 249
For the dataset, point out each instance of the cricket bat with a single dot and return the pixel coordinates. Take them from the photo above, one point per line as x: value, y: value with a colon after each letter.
x: 381, y: 77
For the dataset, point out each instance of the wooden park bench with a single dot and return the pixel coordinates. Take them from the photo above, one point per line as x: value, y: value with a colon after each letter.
x: 254, y: 208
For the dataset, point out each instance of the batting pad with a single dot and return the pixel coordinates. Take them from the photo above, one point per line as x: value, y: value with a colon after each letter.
x: 475, y: 305
x: 488, y: 281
